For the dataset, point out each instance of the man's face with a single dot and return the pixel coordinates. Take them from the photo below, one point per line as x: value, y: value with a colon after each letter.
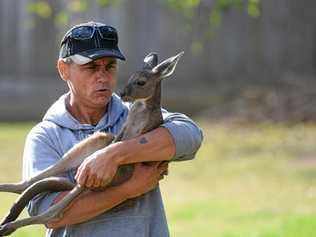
x: 92, y: 84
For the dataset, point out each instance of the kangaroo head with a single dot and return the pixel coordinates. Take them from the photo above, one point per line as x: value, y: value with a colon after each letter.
x: 142, y: 84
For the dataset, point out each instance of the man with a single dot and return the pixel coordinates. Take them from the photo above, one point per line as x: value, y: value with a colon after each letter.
x: 88, y: 63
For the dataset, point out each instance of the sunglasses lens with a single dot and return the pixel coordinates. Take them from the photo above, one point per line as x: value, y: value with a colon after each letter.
x: 82, y: 33
x: 108, y: 33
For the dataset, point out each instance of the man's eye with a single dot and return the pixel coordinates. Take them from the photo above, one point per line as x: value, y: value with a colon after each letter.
x: 110, y: 67
x: 91, y: 68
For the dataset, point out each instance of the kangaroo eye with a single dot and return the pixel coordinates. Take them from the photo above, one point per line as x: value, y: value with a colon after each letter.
x: 141, y: 83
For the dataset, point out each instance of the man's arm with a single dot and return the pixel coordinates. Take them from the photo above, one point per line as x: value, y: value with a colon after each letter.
x: 40, y: 152
x: 99, y: 169
x: 91, y: 204
x: 177, y: 139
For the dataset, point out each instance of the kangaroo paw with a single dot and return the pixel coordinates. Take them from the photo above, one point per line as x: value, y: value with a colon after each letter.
x: 7, y: 229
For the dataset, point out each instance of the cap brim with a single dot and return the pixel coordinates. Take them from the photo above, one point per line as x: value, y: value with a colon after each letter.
x: 100, y: 53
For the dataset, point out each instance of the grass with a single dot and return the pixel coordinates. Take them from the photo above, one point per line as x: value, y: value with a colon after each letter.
x: 246, y: 181
x: 254, y: 181
x: 12, y: 137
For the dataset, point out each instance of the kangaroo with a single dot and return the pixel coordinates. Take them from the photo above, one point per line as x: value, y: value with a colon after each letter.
x: 144, y: 90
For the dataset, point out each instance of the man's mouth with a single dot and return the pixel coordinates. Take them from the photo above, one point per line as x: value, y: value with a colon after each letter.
x: 103, y: 90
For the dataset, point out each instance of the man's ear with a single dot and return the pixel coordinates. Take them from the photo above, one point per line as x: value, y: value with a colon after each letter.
x: 166, y: 68
x: 63, y: 69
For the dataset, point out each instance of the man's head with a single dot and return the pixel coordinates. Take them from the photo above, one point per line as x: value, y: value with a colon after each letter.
x: 87, y: 61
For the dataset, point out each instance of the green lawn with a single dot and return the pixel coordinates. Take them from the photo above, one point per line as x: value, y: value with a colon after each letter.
x: 246, y: 181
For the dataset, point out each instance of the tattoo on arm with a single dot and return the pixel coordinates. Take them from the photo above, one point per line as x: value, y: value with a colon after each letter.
x: 143, y: 140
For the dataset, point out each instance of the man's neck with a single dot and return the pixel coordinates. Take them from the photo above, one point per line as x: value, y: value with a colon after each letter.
x: 84, y: 114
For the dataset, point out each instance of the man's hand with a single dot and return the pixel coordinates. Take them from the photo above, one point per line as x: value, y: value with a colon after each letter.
x: 97, y: 170
x: 145, y: 177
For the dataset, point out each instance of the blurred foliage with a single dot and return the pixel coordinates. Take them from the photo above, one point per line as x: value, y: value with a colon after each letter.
x: 190, y: 8
x: 41, y: 8
x: 187, y: 8
x: 190, y: 12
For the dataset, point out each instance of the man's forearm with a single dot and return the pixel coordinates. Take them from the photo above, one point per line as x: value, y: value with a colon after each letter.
x: 156, y: 145
x: 91, y: 204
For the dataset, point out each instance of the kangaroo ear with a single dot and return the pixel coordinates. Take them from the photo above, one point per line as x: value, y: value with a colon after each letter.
x: 166, y: 68
x: 150, y: 61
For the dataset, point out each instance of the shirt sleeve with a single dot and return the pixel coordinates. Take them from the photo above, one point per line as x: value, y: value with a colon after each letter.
x: 186, y: 134
x: 39, y: 153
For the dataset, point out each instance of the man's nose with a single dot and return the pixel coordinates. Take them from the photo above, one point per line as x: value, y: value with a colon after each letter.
x: 102, y: 74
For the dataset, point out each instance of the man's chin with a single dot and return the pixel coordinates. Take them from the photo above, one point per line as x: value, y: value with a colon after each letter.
x: 102, y: 100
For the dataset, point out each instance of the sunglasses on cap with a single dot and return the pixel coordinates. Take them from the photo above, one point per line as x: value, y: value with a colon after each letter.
x: 87, y: 33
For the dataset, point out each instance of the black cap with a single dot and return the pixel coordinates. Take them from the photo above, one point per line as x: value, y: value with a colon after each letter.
x: 86, y: 42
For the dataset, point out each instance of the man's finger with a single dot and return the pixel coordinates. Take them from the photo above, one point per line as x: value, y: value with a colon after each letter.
x: 164, y: 163
x: 151, y: 163
x: 161, y: 177
x: 97, y: 182
x: 82, y: 179
x: 103, y: 183
x: 78, y: 174
x: 51, y: 225
x: 80, y: 170
x: 163, y: 168
x: 165, y: 172
x: 90, y: 181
